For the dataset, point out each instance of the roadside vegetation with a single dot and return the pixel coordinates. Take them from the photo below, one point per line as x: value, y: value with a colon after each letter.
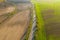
x: 40, y: 33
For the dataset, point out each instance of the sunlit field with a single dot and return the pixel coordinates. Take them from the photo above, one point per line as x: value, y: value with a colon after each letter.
x: 48, y: 19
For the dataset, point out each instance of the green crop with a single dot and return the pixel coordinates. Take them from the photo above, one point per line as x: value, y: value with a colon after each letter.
x: 40, y: 34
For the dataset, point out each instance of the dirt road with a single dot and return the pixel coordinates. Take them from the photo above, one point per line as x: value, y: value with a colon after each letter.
x: 14, y: 28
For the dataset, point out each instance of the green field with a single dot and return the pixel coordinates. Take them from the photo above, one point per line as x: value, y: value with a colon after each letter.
x: 41, y: 32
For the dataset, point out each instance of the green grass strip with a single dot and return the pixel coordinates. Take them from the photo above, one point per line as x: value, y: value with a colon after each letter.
x: 40, y: 33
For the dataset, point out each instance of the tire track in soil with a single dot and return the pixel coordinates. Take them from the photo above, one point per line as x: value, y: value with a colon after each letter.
x: 14, y: 28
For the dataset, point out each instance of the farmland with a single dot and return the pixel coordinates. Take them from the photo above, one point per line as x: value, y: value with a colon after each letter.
x: 48, y: 20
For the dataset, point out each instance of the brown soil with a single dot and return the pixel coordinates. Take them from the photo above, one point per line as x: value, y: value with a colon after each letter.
x: 14, y: 28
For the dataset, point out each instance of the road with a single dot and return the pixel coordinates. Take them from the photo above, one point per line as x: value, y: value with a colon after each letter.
x: 14, y: 28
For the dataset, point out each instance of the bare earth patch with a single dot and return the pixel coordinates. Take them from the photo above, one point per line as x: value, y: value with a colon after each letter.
x: 14, y: 28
